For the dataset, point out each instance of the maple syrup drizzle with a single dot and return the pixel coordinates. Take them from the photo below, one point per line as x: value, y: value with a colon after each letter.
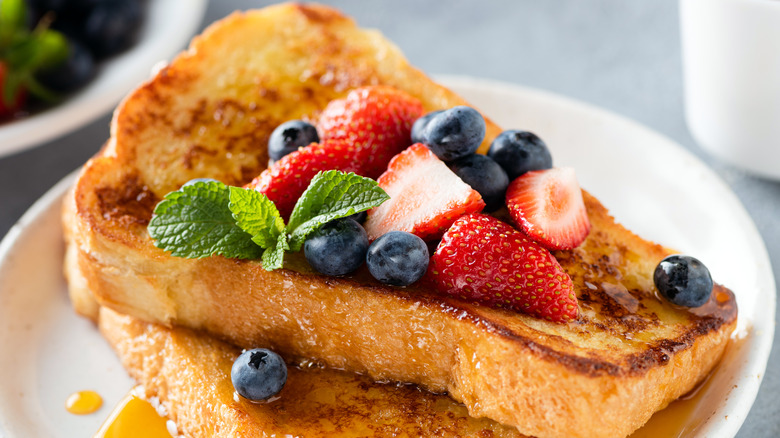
x: 83, y: 402
x: 676, y: 420
x: 680, y: 418
x: 134, y: 417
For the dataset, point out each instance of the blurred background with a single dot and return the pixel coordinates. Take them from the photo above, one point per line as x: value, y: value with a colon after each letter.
x: 621, y: 55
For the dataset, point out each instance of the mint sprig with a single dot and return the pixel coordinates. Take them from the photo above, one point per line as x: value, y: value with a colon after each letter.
x: 25, y: 53
x: 195, y: 222
x: 273, y: 257
x: 331, y: 195
x: 209, y: 218
x: 257, y: 215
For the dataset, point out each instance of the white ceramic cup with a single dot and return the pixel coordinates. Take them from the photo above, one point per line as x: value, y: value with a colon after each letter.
x: 731, y: 69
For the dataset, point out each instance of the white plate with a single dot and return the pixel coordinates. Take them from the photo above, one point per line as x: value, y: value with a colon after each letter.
x: 652, y: 185
x: 167, y: 27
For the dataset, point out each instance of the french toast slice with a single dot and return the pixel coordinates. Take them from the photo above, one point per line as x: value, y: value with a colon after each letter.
x: 189, y: 373
x: 209, y: 114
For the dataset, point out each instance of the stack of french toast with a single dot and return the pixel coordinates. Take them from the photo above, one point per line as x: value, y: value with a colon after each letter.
x: 365, y: 359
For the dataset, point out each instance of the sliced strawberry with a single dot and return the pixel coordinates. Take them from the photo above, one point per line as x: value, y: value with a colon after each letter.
x: 547, y: 205
x: 288, y: 178
x: 485, y: 260
x: 377, y: 120
x: 426, y: 197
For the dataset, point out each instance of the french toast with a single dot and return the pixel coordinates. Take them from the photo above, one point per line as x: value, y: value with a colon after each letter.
x: 209, y: 114
x: 315, y: 402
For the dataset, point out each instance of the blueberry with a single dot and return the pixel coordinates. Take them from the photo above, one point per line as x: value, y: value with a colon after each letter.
x: 43, y: 6
x: 519, y: 152
x: 72, y: 12
x: 359, y: 217
x: 258, y: 374
x: 71, y: 74
x: 289, y: 136
x: 485, y: 176
x: 398, y: 258
x: 455, y: 133
x: 63, y: 6
x: 112, y: 26
x: 337, y: 248
x: 683, y: 280
x: 198, y: 180
x: 418, y: 128
x: 72, y: 30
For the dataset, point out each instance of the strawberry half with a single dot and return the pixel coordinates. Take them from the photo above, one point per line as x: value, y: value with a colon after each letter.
x: 547, y: 205
x: 485, y: 260
x: 376, y: 120
x: 426, y: 197
x: 288, y: 178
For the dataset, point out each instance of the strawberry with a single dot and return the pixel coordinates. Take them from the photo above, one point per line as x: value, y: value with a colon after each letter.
x: 376, y: 120
x: 17, y: 97
x: 547, y: 205
x: 425, y: 196
x: 288, y: 178
x: 485, y: 260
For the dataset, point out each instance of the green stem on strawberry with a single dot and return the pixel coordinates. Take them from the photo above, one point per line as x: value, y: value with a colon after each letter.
x: 35, y: 88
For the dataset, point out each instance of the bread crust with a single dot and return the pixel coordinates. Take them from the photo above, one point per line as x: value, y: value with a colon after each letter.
x: 209, y: 114
x: 189, y: 373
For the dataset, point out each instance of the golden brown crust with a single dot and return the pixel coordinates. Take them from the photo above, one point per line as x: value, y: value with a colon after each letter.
x: 210, y: 112
x: 500, y: 364
x: 208, y: 115
x: 190, y: 374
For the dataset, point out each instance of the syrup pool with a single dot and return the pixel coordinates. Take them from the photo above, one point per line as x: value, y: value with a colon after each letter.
x: 83, y: 402
x: 683, y: 417
x: 676, y: 420
x: 134, y: 417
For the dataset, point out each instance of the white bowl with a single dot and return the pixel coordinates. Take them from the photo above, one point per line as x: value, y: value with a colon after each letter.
x: 167, y: 27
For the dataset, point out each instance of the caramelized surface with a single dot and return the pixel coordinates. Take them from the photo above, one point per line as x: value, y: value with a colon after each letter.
x: 191, y: 374
x: 316, y: 401
x: 211, y: 111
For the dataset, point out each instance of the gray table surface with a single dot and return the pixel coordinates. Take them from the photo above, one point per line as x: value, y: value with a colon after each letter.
x: 622, y: 55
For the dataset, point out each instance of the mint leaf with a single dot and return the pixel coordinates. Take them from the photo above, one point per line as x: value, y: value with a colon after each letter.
x: 51, y: 49
x: 195, y: 221
x: 331, y: 195
x: 42, y: 50
x: 256, y: 215
x: 13, y: 19
x: 273, y: 257
x: 23, y: 54
x: 208, y: 218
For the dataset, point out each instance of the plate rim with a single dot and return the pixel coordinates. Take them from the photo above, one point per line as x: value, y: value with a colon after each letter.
x: 85, y: 106
x: 38, y: 208
x: 738, y: 406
